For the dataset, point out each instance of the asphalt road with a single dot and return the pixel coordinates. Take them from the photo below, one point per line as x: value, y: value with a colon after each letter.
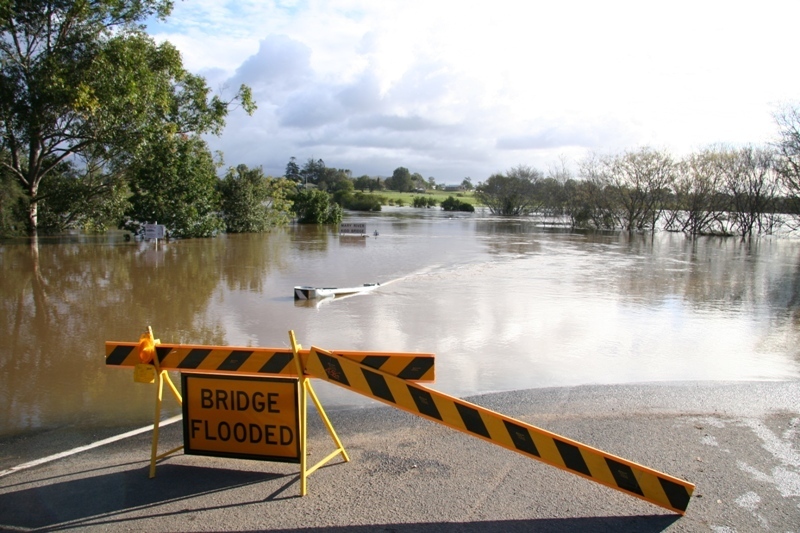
x: 739, y: 443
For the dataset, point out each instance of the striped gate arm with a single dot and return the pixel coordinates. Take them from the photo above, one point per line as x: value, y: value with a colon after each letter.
x: 264, y: 361
x: 569, y: 455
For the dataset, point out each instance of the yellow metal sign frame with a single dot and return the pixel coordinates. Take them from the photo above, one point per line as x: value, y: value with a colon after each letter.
x: 152, y: 373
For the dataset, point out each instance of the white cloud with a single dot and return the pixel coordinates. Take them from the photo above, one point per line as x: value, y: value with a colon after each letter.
x: 280, y: 64
x: 454, y: 89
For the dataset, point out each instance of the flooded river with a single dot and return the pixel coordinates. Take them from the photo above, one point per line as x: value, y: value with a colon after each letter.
x: 504, y: 304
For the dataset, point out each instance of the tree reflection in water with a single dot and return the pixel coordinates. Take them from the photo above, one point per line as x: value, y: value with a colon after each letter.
x: 62, y: 300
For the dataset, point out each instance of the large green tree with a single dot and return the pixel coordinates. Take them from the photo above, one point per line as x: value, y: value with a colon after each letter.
x: 81, y: 81
x: 362, y: 183
x: 400, y: 180
x: 88, y: 198
x: 313, y: 171
x: 324, y: 178
x: 293, y: 170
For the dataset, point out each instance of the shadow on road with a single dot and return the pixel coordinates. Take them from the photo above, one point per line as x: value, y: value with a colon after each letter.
x: 106, y: 499
x: 101, y: 497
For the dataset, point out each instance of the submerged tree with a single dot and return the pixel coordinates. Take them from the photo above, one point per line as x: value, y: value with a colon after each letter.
x: 788, y: 156
x: 698, y: 204
x: 175, y: 183
x: 588, y: 202
x: 313, y: 206
x: 243, y: 192
x: 510, y: 194
x: 452, y: 203
x: 638, y: 184
x: 751, y: 185
x: 252, y: 202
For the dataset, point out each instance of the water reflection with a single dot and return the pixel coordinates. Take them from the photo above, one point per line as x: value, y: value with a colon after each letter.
x: 61, y: 300
x: 310, y: 238
x: 503, y: 303
x: 248, y: 258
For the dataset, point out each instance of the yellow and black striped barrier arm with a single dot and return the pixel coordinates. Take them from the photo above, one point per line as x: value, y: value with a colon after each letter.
x: 263, y: 361
x: 628, y: 477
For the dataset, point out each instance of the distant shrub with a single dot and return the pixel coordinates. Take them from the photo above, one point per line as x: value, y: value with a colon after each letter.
x: 423, y: 201
x: 453, y: 204
x: 360, y: 202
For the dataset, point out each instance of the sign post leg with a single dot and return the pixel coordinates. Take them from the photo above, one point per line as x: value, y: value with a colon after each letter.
x: 305, y: 390
x: 302, y: 381
x: 156, y: 420
x: 154, y: 456
x: 331, y: 431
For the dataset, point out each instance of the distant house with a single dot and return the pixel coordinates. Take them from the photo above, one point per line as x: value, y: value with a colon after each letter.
x: 453, y: 188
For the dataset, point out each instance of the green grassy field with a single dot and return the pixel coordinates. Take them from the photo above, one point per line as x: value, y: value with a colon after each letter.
x: 393, y: 197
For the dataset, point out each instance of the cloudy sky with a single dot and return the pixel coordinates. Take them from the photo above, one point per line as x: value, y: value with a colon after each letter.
x: 451, y: 89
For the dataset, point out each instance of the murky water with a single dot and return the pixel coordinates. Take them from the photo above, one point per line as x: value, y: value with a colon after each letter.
x: 503, y: 304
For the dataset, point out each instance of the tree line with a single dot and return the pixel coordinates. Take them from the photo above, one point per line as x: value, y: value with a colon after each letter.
x: 718, y: 191
x: 100, y: 126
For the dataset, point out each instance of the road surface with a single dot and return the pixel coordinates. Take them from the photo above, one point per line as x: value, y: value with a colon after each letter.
x: 739, y: 443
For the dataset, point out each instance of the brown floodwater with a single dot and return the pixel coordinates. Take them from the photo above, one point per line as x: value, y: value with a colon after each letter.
x: 504, y: 304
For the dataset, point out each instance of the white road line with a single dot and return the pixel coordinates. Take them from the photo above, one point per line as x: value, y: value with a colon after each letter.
x: 79, y: 449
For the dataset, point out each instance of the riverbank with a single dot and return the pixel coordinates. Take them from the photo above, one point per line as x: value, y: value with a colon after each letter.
x: 737, y: 442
